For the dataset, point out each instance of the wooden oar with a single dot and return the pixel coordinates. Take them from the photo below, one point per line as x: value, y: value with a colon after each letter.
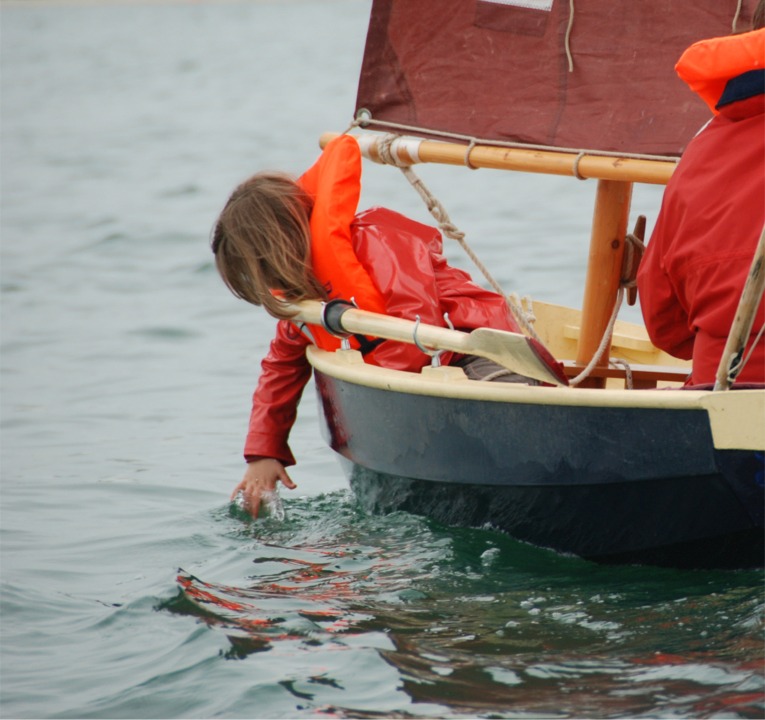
x: 511, y: 350
x: 741, y: 328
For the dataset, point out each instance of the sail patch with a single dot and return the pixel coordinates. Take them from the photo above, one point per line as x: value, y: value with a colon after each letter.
x: 519, y: 17
x: 545, y: 5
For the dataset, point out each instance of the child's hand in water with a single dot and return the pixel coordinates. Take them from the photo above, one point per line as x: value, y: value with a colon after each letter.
x: 258, y: 486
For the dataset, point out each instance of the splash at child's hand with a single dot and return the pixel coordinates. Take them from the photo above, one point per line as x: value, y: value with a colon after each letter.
x: 259, y: 485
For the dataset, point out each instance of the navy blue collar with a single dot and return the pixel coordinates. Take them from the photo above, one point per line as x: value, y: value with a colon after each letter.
x: 742, y: 87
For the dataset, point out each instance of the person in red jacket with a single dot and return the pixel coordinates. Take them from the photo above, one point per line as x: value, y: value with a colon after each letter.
x: 713, y: 211
x: 281, y: 241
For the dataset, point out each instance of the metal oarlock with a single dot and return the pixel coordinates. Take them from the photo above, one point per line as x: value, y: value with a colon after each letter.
x: 435, y: 355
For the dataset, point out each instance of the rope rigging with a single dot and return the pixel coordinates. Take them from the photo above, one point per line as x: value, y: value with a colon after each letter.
x: 450, y: 230
x: 521, y: 308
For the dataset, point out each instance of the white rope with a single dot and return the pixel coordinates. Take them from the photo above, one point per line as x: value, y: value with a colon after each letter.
x: 616, y: 362
x: 575, y: 168
x: 567, y: 41
x: 632, y: 242
x: 734, y: 24
x: 448, y: 228
x: 525, y: 306
x: 604, y: 342
x: 470, y: 147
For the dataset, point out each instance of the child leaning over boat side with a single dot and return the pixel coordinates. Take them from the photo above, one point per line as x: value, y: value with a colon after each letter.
x: 280, y: 241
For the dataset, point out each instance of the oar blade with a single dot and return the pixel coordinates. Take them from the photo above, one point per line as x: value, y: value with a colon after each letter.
x: 517, y: 353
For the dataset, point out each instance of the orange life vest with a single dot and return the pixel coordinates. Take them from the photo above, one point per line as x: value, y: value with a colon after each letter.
x: 334, y: 183
x: 706, y: 66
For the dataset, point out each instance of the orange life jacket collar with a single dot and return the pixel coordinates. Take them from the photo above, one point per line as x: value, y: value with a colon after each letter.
x: 708, y: 65
x: 334, y: 183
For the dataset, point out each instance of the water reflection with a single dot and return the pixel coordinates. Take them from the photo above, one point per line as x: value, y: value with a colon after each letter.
x: 473, y: 622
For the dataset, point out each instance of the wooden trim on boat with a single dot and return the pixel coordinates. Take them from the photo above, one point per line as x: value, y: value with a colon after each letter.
x: 559, y: 328
x: 643, y: 376
x: 744, y: 431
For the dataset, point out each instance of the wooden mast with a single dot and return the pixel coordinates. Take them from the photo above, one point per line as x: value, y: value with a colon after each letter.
x: 604, y: 269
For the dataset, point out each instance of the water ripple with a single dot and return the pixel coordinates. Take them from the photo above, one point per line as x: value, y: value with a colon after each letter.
x: 503, y: 640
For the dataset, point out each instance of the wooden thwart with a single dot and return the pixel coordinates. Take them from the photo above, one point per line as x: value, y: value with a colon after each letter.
x: 511, y: 350
x: 644, y: 377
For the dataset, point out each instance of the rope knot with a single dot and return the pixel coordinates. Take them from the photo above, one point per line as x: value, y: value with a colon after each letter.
x: 385, y: 150
x: 451, y: 230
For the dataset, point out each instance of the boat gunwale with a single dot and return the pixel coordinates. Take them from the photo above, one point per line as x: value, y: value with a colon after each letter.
x: 348, y: 365
x: 734, y: 416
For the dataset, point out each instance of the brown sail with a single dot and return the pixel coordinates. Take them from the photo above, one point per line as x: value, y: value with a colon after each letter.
x: 576, y: 74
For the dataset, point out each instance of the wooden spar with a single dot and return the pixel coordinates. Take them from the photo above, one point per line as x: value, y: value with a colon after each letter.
x: 412, y: 150
x: 604, y: 269
x: 744, y: 319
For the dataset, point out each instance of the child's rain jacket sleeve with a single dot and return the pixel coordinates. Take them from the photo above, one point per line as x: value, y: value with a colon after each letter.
x: 285, y: 372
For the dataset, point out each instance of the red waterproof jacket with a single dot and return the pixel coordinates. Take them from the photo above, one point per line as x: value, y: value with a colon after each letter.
x: 404, y: 259
x: 712, y: 214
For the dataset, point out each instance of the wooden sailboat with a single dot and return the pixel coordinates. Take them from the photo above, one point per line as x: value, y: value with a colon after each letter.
x: 627, y: 466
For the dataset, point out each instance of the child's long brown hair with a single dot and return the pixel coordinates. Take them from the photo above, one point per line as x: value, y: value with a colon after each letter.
x: 262, y: 243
